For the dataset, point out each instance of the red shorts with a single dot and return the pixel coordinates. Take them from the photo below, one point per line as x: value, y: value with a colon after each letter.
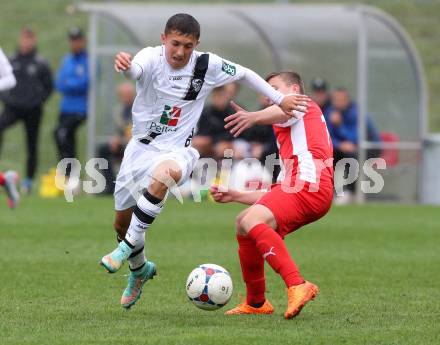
x: 293, y: 210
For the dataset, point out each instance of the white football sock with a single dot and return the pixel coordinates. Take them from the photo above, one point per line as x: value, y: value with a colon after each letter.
x: 147, y: 209
x: 137, y: 258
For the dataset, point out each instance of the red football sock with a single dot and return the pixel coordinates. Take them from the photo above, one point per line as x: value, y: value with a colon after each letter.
x: 252, y: 269
x: 2, y: 179
x: 273, y: 249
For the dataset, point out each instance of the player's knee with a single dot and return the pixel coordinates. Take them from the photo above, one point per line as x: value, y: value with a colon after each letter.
x: 244, y: 224
x: 250, y: 219
x: 167, y: 175
x: 238, y: 226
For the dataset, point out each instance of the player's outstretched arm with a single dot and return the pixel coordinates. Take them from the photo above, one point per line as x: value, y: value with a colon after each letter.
x: 232, y: 195
x: 288, y: 103
x: 243, y: 119
x: 123, y: 64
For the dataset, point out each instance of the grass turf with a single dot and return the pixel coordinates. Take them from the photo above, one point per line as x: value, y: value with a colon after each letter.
x: 377, y: 267
x: 50, y: 20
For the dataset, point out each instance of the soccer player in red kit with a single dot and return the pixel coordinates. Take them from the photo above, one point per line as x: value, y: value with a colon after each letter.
x: 303, y: 196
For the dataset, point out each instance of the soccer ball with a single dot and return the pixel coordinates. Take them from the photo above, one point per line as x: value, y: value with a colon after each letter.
x: 209, y: 286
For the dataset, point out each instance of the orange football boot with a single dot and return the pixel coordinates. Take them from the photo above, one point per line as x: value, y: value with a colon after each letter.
x: 245, y: 308
x: 298, y: 296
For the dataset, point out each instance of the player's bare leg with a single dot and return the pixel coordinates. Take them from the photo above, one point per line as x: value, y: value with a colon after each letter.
x: 113, y: 261
x: 259, y: 224
x: 256, y: 214
x: 166, y: 174
x: 122, y: 222
x: 131, y: 225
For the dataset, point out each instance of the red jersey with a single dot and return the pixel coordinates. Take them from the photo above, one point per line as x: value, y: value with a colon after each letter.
x: 306, y: 153
x: 305, y: 147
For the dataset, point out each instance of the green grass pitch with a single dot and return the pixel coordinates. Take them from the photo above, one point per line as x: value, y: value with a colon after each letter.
x: 377, y: 267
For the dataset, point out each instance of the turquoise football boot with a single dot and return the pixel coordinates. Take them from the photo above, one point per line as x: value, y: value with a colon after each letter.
x: 136, y: 281
x: 113, y: 261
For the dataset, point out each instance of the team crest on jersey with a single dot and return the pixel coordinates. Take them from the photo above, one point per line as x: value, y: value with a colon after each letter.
x: 197, y: 84
x: 170, y: 116
x: 228, y: 68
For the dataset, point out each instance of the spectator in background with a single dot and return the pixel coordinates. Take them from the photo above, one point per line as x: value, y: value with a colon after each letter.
x: 259, y: 140
x: 113, y: 151
x: 320, y: 94
x: 263, y: 140
x: 72, y: 82
x: 212, y: 139
x: 342, y: 121
x: 25, y: 101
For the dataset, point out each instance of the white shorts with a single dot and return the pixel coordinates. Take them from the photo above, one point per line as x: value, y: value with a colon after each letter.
x: 137, y: 167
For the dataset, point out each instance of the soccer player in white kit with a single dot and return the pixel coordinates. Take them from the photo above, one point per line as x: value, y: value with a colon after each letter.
x: 172, y: 83
x: 8, y: 179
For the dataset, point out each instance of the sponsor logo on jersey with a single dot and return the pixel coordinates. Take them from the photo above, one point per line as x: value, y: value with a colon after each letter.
x: 170, y: 116
x: 160, y: 129
x: 197, y: 84
x: 228, y: 68
x: 174, y: 78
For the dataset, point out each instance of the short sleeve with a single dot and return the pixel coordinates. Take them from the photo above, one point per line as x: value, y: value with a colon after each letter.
x: 292, y: 120
x: 144, y: 59
x: 224, y: 71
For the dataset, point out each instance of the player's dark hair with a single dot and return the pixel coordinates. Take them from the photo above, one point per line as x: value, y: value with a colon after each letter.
x: 289, y: 77
x: 183, y: 23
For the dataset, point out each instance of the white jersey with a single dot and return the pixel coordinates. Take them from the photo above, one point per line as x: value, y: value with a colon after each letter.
x: 169, y: 102
x: 7, y: 79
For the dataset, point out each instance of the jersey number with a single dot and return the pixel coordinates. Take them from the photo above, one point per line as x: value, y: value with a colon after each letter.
x: 189, y: 139
x: 326, y: 129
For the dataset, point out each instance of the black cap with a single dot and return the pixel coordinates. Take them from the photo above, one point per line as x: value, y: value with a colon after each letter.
x: 319, y: 84
x: 75, y: 33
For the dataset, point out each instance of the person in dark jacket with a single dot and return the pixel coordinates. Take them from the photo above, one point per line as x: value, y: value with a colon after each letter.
x: 113, y: 150
x: 320, y: 94
x: 72, y: 82
x: 25, y: 101
x: 212, y: 139
x: 342, y: 123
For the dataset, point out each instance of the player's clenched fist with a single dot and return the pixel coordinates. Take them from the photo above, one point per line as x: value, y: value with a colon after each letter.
x: 222, y: 196
x: 122, y: 61
x: 294, y: 102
